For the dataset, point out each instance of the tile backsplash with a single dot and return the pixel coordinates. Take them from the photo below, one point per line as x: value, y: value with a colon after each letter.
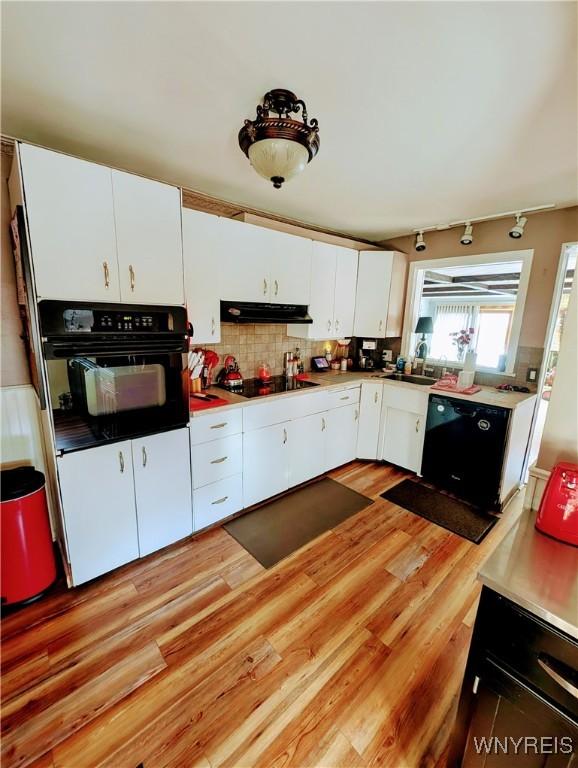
x: 251, y: 344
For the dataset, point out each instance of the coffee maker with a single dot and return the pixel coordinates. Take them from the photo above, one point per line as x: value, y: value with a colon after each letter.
x: 366, y: 361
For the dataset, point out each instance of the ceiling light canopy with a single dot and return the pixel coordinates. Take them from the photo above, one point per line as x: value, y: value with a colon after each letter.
x: 279, y: 147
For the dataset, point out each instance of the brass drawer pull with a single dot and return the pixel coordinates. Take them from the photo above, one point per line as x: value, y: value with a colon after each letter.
x: 219, y: 426
x: 344, y: 398
x: 220, y: 501
x: 219, y: 461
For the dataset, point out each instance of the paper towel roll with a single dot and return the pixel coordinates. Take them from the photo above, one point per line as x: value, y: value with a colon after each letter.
x: 470, y: 361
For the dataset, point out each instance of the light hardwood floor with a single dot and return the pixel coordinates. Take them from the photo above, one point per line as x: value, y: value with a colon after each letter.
x: 348, y: 653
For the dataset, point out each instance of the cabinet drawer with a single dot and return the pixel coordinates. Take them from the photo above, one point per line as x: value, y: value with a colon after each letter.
x: 542, y: 657
x: 216, y: 501
x: 308, y: 404
x: 405, y: 398
x: 218, y: 459
x: 340, y: 397
x: 212, y: 426
x: 266, y: 414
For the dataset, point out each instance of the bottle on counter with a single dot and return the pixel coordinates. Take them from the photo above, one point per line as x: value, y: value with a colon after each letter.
x: 289, y: 365
x: 408, y: 367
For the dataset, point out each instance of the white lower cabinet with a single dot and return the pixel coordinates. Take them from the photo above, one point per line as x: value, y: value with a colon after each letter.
x: 307, y: 448
x: 216, y: 460
x: 162, y: 487
x: 403, y: 434
x: 341, y: 435
x: 97, y: 491
x: 265, y: 462
x: 369, y: 419
x: 216, y: 501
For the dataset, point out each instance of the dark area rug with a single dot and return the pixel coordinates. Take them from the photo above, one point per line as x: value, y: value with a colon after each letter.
x: 275, y: 530
x: 449, y: 513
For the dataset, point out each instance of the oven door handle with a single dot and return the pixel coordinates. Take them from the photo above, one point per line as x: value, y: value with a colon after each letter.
x: 59, y: 351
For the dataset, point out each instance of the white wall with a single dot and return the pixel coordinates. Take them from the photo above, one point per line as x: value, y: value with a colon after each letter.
x: 560, y: 437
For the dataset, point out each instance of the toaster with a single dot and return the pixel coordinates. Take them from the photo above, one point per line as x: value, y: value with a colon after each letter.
x: 558, y: 512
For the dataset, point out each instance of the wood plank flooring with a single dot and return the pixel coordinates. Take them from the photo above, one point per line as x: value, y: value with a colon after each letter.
x: 348, y: 653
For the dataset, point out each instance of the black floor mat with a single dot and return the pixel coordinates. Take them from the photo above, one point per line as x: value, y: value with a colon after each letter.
x: 443, y: 510
x: 277, y: 529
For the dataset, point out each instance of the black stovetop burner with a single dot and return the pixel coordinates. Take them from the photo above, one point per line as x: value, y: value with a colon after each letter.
x: 277, y: 385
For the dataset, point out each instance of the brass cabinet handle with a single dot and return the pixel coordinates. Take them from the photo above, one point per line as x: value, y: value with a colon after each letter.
x: 121, y: 461
x: 417, y: 423
x: 284, y: 436
x: 346, y: 397
x: 380, y: 324
x: 213, y: 326
x: 219, y: 426
x: 323, y: 425
x: 566, y: 684
x: 375, y: 396
x: 144, y: 456
x: 276, y: 287
x: 220, y: 501
x: 106, y: 274
x: 356, y: 414
x: 131, y: 275
x: 264, y: 287
x: 219, y: 461
x: 329, y: 325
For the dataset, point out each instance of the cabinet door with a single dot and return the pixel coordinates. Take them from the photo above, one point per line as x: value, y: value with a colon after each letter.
x: 403, y: 438
x: 162, y: 480
x: 202, y: 252
x: 345, y: 288
x: 307, y: 448
x: 341, y: 435
x: 373, y: 286
x: 290, y: 269
x: 71, y: 220
x: 369, y: 419
x: 97, y: 490
x: 246, y: 261
x: 149, y: 240
x: 321, y: 305
x: 265, y: 463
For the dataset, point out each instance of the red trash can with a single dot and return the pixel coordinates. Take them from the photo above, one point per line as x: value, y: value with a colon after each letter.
x: 27, y: 554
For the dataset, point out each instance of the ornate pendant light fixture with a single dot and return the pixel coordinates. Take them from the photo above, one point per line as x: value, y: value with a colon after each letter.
x: 279, y: 147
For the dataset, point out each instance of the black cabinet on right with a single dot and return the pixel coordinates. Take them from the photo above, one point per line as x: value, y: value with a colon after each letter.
x: 519, y: 700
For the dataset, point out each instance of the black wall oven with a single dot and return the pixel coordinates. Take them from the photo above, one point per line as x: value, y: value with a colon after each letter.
x: 114, y: 371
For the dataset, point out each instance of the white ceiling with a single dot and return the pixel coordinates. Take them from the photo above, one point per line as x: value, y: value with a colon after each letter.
x: 428, y: 112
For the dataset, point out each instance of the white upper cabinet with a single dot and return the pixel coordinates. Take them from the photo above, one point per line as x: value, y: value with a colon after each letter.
x: 264, y: 265
x: 245, y: 263
x: 202, y: 254
x: 290, y: 267
x: 344, y: 301
x: 381, y: 280
x: 332, y: 305
x: 148, y: 233
x: 71, y: 220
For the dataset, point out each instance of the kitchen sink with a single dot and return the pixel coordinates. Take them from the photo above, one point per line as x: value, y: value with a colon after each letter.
x: 425, y: 381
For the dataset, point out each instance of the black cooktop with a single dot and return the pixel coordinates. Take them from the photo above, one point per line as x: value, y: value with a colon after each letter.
x: 277, y: 384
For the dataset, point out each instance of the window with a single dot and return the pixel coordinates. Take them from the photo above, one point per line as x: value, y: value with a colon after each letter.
x: 492, y: 336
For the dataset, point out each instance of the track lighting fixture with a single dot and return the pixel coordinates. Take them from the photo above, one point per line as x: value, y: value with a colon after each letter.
x: 518, y: 230
x: 467, y: 237
x: 419, y: 241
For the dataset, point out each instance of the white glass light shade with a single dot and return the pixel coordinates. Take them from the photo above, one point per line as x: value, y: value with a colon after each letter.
x: 278, y: 158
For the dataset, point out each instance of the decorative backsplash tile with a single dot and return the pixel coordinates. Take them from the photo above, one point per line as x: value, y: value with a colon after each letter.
x: 251, y: 344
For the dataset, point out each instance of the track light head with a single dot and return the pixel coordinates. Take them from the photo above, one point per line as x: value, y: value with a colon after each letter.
x: 468, y: 237
x: 518, y: 230
x: 419, y: 241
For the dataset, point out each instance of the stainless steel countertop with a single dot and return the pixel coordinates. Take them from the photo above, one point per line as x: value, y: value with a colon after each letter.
x: 537, y: 573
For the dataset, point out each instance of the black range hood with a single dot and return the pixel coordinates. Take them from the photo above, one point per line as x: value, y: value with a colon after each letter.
x: 256, y: 312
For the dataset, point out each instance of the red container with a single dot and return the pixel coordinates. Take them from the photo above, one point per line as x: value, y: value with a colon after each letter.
x: 27, y: 553
x: 558, y: 513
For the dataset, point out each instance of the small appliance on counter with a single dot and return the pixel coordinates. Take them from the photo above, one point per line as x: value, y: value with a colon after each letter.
x: 230, y: 377
x: 558, y: 513
x: 320, y: 364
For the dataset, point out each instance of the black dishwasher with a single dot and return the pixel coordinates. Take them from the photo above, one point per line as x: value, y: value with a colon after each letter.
x: 464, y: 449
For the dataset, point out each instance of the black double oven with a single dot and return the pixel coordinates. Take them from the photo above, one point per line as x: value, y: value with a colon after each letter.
x: 114, y: 371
